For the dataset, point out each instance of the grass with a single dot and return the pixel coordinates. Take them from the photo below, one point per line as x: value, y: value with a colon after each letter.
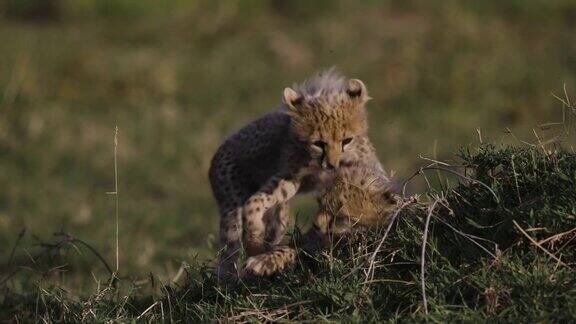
x: 177, y: 77
x: 503, y: 252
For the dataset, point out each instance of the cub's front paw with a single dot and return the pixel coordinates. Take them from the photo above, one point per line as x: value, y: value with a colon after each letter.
x: 269, y: 263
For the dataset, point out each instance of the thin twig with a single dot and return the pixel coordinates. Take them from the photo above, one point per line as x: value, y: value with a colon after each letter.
x: 434, y: 161
x: 115, y: 194
x: 515, y: 179
x: 431, y: 167
x: 116, y: 197
x: 286, y: 309
x: 147, y: 310
x: 423, y: 254
x: 96, y: 253
x: 49, y: 247
x: 467, y: 236
x: 509, y: 131
x: 540, y: 246
x: 180, y: 272
x: 370, y: 273
x: 20, y: 236
x: 408, y: 283
x: 556, y: 236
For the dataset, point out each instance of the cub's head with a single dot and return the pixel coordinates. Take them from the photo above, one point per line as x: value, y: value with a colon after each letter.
x: 327, y: 113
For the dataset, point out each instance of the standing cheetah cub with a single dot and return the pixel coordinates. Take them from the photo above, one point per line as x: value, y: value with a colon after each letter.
x: 320, y: 126
x: 359, y: 196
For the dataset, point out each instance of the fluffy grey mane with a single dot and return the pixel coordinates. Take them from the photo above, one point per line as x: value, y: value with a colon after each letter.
x: 323, y: 83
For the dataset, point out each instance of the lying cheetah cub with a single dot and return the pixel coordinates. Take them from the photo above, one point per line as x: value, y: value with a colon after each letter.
x: 321, y: 126
x: 359, y: 196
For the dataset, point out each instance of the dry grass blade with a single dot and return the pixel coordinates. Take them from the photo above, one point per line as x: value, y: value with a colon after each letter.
x: 370, y: 272
x: 468, y: 236
x: 116, y: 197
x: 433, y: 167
x: 423, y: 254
x: 556, y: 236
x: 267, y: 314
x: 550, y: 254
x: 64, y: 239
x: 147, y: 310
x: 116, y: 203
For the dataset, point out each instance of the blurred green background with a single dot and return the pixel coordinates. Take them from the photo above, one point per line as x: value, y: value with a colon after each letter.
x: 177, y: 77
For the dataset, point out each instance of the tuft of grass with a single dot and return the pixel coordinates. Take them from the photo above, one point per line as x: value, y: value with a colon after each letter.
x: 499, y: 245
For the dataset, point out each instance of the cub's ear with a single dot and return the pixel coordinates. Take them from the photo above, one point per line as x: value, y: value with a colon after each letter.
x: 292, y: 98
x: 356, y: 89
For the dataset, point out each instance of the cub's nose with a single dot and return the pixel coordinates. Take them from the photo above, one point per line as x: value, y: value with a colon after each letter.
x: 330, y: 166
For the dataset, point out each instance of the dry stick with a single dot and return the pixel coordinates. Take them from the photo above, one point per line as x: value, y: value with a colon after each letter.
x: 116, y: 197
x: 147, y: 310
x: 437, y: 171
x: 571, y: 110
x: 417, y: 172
x: 540, y: 143
x: 509, y: 131
x: 432, y: 167
x: 556, y: 236
x: 434, y: 161
x: 540, y: 246
x: 468, y: 236
x: 566, y: 244
x: 516, y: 177
x: 67, y: 238
x: 270, y: 311
x: 115, y: 194
x: 423, y: 255
x: 98, y: 255
x: 11, y: 258
x: 48, y: 247
x: 180, y: 272
x: 370, y: 273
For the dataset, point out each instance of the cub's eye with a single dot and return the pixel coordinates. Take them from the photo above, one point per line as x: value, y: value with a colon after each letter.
x: 346, y: 141
x: 319, y: 144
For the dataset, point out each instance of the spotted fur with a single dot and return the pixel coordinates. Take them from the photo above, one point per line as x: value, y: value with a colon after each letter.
x: 359, y: 196
x: 320, y: 126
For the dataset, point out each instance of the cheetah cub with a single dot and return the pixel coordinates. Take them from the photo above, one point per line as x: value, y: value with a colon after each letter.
x: 359, y: 196
x: 320, y: 126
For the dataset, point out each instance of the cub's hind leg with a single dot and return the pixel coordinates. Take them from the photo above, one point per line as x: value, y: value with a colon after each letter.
x: 276, y: 221
x: 230, y: 243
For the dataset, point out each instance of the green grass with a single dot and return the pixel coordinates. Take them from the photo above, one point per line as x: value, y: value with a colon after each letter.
x: 178, y: 77
x: 481, y: 261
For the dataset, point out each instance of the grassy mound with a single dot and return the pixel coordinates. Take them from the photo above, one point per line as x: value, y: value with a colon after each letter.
x: 500, y: 244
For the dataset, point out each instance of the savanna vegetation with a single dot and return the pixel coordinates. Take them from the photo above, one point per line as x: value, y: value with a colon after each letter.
x: 446, y: 77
